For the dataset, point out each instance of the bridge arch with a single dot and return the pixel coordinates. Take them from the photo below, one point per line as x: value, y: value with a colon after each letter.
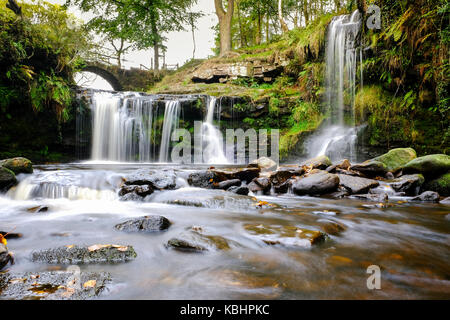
x: 105, y: 74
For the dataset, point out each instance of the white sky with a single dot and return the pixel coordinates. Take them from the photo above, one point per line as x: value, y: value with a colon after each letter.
x: 179, y: 44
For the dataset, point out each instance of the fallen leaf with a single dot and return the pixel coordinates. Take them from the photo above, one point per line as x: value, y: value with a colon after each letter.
x: 90, y: 284
x: 70, y: 246
x: 3, y: 240
x: 96, y: 247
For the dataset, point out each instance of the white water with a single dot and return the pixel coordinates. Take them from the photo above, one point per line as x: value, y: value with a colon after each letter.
x: 171, y: 120
x: 338, y: 139
x: 122, y: 126
x: 212, y: 137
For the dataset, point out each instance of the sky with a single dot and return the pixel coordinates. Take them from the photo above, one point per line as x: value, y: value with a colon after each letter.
x: 179, y: 44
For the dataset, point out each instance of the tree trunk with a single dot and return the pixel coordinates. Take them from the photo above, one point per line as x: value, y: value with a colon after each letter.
x: 283, y: 24
x: 268, y: 29
x: 224, y: 25
x: 305, y: 12
x: 156, y: 54
x: 241, y: 30
x: 154, y: 27
x: 258, y: 27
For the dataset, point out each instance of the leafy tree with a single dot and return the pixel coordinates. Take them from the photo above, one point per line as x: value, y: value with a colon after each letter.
x: 143, y: 23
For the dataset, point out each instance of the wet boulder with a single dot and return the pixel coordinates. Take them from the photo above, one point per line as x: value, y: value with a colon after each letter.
x: 244, y: 174
x: 427, y: 196
x: 196, y: 240
x: 320, y: 162
x: 370, y: 168
x: 440, y: 185
x: 202, y: 179
x: 342, y: 165
x: 283, y: 174
x: 331, y: 227
x: 225, y: 185
x: 289, y: 236
x: 17, y: 165
x: 5, y: 256
x: 409, y: 184
x: 71, y: 254
x: 7, y: 179
x: 260, y: 185
x: 54, y: 285
x: 242, y: 190
x: 161, y: 179
x: 375, y: 197
x: 317, y: 182
x: 140, y: 190
x: 38, y: 209
x: 356, y: 185
x: 144, y: 224
x: 265, y: 164
x: 446, y: 201
x: 395, y: 159
x: 430, y: 166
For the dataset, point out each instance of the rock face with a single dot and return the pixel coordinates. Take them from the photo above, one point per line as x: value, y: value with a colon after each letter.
x: 316, y: 183
x: 94, y: 254
x: 202, y: 179
x: 161, y: 179
x: 395, y: 159
x: 409, y: 184
x: 440, y: 185
x: 145, y: 224
x: 320, y: 162
x: 18, y: 165
x: 7, y: 179
x: 246, y: 174
x: 265, y: 164
x: 431, y: 165
x: 427, y: 196
x: 371, y: 168
x: 357, y: 185
x: 285, y: 235
x: 55, y: 285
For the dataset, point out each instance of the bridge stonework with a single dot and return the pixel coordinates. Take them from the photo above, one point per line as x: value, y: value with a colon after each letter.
x: 121, y: 79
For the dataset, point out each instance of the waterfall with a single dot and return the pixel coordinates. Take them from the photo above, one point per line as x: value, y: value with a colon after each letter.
x: 122, y: 127
x: 171, y: 120
x: 338, y: 139
x: 212, y: 137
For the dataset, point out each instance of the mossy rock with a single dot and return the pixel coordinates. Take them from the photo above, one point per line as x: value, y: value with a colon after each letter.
x: 18, y: 165
x: 440, y: 185
x: 7, y: 179
x: 395, y: 159
x: 431, y: 165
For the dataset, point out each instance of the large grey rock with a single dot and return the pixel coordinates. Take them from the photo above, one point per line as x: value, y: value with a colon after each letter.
x: 409, y: 184
x: 427, y: 196
x: 54, y: 285
x: 356, y: 184
x: 145, y: 224
x: 371, y: 168
x: 245, y: 174
x: 197, y: 241
x: 285, y: 173
x: 161, y: 179
x: 316, y: 183
x: 202, y: 179
x: 320, y: 162
x: 7, y: 179
x: 242, y: 190
x: 225, y: 185
x: 140, y: 190
x: 18, y: 165
x: 265, y: 164
x: 72, y: 254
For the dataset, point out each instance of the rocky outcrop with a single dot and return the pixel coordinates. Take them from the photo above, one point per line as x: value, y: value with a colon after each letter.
x: 7, y: 179
x: 145, y: 224
x: 317, y: 182
x: 429, y: 166
x: 371, y: 168
x: 440, y: 185
x: 356, y: 185
x: 17, y: 165
x: 54, y: 285
x: 409, y: 184
x: 72, y: 254
x: 320, y: 162
x: 395, y: 159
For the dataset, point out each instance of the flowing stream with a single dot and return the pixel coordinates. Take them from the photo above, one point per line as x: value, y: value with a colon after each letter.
x: 410, y: 242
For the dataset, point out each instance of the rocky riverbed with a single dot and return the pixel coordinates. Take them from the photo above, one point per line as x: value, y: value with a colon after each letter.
x: 307, y: 230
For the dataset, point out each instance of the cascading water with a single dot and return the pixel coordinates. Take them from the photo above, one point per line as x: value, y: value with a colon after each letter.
x: 338, y: 138
x: 212, y: 138
x: 171, y: 121
x: 122, y: 127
